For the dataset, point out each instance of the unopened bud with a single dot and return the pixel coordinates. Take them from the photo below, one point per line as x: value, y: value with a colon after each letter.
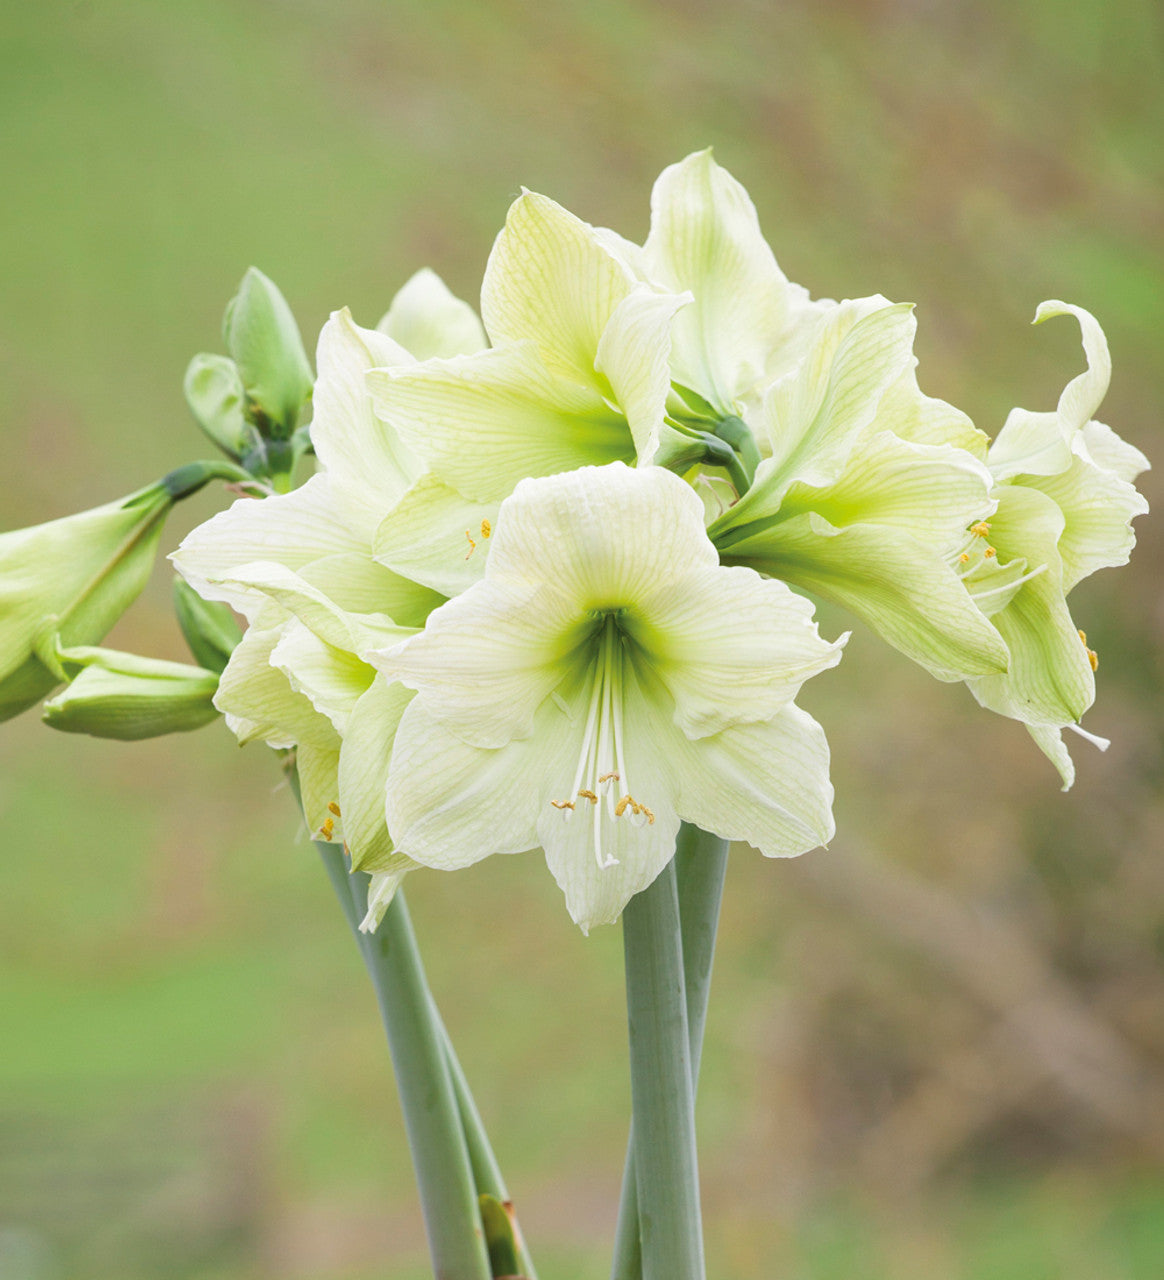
x: 216, y: 396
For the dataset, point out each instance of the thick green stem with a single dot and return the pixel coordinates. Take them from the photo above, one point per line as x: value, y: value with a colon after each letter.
x: 662, y: 1103
x: 418, y: 1044
x: 700, y: 867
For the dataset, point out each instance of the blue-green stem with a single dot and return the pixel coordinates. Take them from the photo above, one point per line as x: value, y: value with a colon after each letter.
x: 662, y: 1099
x: 417, y: 1043
x: 700, y: 867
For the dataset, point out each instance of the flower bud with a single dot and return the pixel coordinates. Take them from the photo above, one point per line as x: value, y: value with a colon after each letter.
x: 263, y: 340
x: 209, y: 627
x: 124, y: 696
x: 74, y: 578
x: 215, y: 394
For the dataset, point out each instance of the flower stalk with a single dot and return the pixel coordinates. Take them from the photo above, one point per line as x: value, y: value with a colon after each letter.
x: 662, y: 1098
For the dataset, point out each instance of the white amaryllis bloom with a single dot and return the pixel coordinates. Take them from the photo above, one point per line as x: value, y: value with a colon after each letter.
x: 604, y: 680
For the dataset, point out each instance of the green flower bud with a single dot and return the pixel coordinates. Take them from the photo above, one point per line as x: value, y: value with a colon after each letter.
x: 209, y: 627
x: 215, y: 394
x: 74, y: 577
x: 124, y: 696
x: 263, y: 340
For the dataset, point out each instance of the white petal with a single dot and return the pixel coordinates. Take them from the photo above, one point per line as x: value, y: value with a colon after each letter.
x: 291, y: 529
x: 358, y: 584
x: 766, y: 783
x: 730, y: 646
x: 483, y: 422
x: 705, y: 237
x: 436, y: 536
x: 369, y: 466
x: 634, y: 355
x: 908, y: 413
x: 331, y: 679
x: 1049, y: 739
x: 428, y: 320
x: 450, y: 804
x: 1107, y: 450
x: 317, y: 768
x: 550, y: 280
x: 1083, y: 395
x: 260, y: 701
x: 363, y: 774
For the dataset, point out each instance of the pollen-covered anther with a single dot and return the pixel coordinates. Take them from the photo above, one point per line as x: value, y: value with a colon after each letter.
x: 965, y: 557
x: 608, y: 777
x: 327, y: 828
x: 333, y: 808
x: 1092, y: 656
x: 980, y: 530
x: 587, y: 795
x: 486, y: 528
x: 472, y: 544
x: 562, y: 804
x: 989, y: 552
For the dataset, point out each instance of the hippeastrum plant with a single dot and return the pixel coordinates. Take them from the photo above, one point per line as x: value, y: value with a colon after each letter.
x: 606, y: 679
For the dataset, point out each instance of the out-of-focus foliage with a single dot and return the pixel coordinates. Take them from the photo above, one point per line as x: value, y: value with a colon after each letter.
x: 935, y: 1050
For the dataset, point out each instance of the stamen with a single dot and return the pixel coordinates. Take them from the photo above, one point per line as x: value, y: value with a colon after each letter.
x: 606, y: 777
x: 980, y: 530
x: 965, y: 557
x: 333, y: 808
x: 562, y: 804
x: 990, y: 551
x: 472, y: 544
x: 327, y: 828
x: 486, y: 528
x: 1008, y: 586
x: 1093, y: 738
x: 587, y: 795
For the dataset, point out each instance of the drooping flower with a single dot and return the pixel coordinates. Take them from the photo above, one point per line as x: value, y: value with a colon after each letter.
x: 1066, y: 499
x: 605, y: 679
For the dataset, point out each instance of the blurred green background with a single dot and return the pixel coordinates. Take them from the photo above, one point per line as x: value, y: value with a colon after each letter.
x: 936, y: 1050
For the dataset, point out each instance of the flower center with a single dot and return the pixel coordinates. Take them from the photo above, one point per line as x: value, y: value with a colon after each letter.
x: 601, y: 780
x: 976, y: 563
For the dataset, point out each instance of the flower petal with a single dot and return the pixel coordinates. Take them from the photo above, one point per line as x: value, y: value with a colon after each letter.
x: 428, y: 320
x: 896, y: 582
x: 358, y: 584
x: 317, y: 768
x: 766, y: 783
x: 363, y: 776
x: 369, y: 466
x: 551, y: 281
x: 482, y: 422
x: 705, y: 236
x: 437, y: 537
x: 291, y: 529
x: 331, y: 679
x: 259, y: 702
x: 730, y: 646
x: 908, y: 413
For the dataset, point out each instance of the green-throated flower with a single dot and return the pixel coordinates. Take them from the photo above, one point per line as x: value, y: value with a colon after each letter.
x: 605, y: 679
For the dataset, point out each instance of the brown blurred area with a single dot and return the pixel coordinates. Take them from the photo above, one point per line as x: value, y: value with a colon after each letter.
x: 935, y: 1050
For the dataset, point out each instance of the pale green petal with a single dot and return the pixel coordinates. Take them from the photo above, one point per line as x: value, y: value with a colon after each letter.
x: 381, y: 890
x: 318, y: 769
x: 450, y: 804
x: 1098, y: 508
x: 1049, y: 739
x: 705, y: 237
x: 1049, y: 680
x: 331, y: 679
x: 259, y: 702
x: 626, y: 251
x: 363, y: 774
x: 551, y: 281
x: 604, y: 537
x: 932, y: 491
x: 908, y: 413
x: 814, y: 416
x: 291, y: 529
x: 766, y: 783
x: 641, y: 845
x: 428, y: 320
x: 437, y: 537
x: 1107, y: 450
x: 731, y: 647
x: 634, y: 356
x: 351, y: 631
x: 1083, y: 395
x: 893, y: 580
x: 358, y: 584
x: 483, y: 422
x: 368, y: 465
x: 487, y: 659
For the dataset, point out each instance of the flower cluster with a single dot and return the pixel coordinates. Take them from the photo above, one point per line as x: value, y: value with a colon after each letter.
x: 546, y: 586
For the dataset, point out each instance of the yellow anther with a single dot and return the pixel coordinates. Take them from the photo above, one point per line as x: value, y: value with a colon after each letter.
x: 1083, y: 636
x: 621, y: 807
x: 1093, y: 658
x: 990, y: 551
x: 606, y: 777
x: 650, y: 816
x: 486, y: 528
x: 965, y: 557
x: 562, y: 804
x: 327, y: 828
x: 588, y: 795
x: 472, y: 544
x: 980, y: 530
x: 333, y: 808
